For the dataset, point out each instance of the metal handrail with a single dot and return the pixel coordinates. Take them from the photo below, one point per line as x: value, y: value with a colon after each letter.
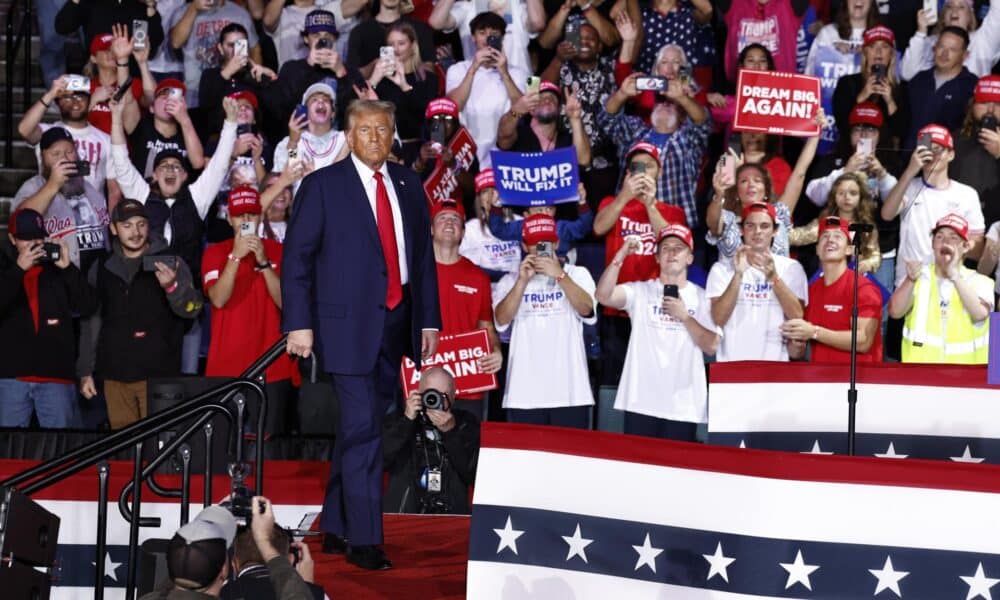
x: 22, y: 33
x: 202, y: 407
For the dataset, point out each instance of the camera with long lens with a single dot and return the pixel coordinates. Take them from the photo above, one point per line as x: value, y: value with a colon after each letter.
x: 434, y: 399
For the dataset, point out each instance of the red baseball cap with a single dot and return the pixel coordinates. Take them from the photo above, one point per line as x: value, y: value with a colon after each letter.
x: 548, y: 86
x: 765, y: 207
x: 101, y: 42
x: 955, y: 222
x: 939, y: 135
x: 247, y: 95
x: 988, y: 89
x: 170, y: 83
x: 539, y: 228
x: 678, y: 231
x: 447, y: 206
x: 866, y: 113
x: 441, y: 106
x: 837, y: 223
x: 646, y: 147
x: 879, y: 33
x: 484, y: 179
x: 244, y: 200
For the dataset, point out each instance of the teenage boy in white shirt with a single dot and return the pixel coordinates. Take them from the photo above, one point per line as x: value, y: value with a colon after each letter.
x: 663, y: 390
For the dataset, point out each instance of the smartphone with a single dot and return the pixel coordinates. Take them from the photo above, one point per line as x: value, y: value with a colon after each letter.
x: 727, y: 164
x: 637, y: 168
x: 149, y: 262
x: 437, y: 132
x: 388, y: 56
x: 656, y: 84
x: 989, y: 122
x: 670, y: 291
x: 240, y: 47
x: 82, y: 168
x: 534, y: 82
x: 572, y: 34
x: 544, y: 249
x: 879, y: 72
x: 866, y: 146
x: 140, y: 33
x: 175, y: 93
x: 247, y: 228
x: 243, y: 128
x: 78, y: 83
x: 301, y: 111
x: 52, y: 253
x: 930, y: 7
x: 495, y: 42
x: 122, y: 90
x: 684, y: 75
x: 925, y: 140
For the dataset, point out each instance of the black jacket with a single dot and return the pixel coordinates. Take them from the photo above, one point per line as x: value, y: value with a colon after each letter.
x: 97, y: 17
x: 141, y: 327
x: 403, y: 445
x: 51, y: 350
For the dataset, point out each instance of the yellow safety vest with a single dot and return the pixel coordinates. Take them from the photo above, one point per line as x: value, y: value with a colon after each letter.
x: 964, y: 342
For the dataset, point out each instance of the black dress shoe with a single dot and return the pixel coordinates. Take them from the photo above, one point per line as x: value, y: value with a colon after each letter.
x: 334, y: 544
x: 371, y: 558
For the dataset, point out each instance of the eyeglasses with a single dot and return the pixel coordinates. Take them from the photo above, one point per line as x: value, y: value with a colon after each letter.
x: 170, y: 167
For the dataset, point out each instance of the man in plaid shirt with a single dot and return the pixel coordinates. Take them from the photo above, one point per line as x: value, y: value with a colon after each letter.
x: 680, y: 128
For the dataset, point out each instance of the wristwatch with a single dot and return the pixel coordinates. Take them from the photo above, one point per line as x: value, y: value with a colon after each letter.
x: 263, y: 266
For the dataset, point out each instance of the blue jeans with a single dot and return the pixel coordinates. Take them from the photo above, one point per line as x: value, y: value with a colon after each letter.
x: 52, y: 53
x: 55, y: 404
x: 191, y: 349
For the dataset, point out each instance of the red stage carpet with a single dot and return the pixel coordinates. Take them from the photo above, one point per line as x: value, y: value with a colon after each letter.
x: 429, y: 555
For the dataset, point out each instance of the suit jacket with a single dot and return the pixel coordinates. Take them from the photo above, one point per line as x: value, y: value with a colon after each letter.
x: 333, y: 275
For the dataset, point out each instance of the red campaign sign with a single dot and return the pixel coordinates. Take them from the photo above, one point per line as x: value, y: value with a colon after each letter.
x: 777, y: 103
x: 458, y: 354
x: 442, y: 184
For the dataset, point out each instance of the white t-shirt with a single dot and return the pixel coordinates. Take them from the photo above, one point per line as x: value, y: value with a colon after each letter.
x: 515, y: 39
x: 922, y: 207
x: 994, y: 234
x: 547, y: 366
x: 488, y: 101
x: 753, y: 332
x: 322, y: 149
x: 664, y: 372
x: 92, y: 145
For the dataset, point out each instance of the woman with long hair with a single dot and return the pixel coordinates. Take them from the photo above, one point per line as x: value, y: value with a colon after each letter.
x: 876, y: 82
x: 753, y: 57
x: 850, y: 200
x: 846, y: 34
x: 408, y: 83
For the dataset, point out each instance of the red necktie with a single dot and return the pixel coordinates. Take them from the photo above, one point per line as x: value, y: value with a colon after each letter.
x: 387, y: 234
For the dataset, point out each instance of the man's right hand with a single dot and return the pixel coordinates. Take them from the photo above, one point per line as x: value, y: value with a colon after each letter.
x: 242, y: 245
x: 527, y: 269
x: 62, y: 171
x: 413, y: 405
x: 920, y: 157
x: 29, y: 256
x: 628, y: 86
x: 913, y: 268
x: 58, y: 89
x: 483, y: 58
x: 300, y: 342
x: 87, y: 387
x: 741, y: 261
x: 203, y: 5
x: 262, y: 525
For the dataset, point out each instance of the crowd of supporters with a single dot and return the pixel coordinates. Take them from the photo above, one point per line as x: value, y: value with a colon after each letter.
x: 152, y: 235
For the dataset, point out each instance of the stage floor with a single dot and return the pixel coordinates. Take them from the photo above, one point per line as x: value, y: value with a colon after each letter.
x: 429, y: 555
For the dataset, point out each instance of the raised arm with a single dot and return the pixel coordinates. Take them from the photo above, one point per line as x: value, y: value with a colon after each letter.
x: 796, y: 181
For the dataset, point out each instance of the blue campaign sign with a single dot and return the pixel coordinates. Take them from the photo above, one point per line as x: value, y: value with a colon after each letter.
x: 993, y: 364
x: 536, y: 178
x: 830, y: 65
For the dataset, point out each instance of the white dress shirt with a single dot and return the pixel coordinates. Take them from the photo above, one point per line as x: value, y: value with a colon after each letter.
x: 368, y: 181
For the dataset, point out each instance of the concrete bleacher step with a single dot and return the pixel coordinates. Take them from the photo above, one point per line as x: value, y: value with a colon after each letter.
x: 36, y: 73
x: 36, y: 43
x: 11, y: 180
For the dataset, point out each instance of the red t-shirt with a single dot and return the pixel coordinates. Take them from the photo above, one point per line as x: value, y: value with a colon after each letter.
x: 465, y: 298
x: 634, y: 220
x: 830, y: 307
x: 250, y: 322
x: 100, y: 114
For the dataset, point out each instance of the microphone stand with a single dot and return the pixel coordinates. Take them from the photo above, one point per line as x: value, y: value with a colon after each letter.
x: 852, y: 391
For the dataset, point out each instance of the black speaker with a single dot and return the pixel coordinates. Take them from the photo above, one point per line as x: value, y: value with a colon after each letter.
x: 21, y: 582
x: 27, y: 531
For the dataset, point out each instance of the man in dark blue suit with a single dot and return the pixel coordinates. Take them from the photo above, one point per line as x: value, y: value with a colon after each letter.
x: 358, y: 270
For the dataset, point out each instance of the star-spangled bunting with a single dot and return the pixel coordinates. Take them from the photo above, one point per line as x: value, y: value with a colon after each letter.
x: 890, y: 452
x: 647, y: 555
x: 979, y: 584
x: 577, y: 544
x: 888, y: 578
x: 967, y: 457
x: 508, y: 537
x: 110, y: 567
x: 718, y: 563
x: 798, y: 571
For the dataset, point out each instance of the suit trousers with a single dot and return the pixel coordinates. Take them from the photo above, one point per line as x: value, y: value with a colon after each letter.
x: 352, y: 507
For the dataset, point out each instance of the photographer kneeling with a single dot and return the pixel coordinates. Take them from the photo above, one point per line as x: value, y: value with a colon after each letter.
x: 197, y: 558
x: 430, y: 450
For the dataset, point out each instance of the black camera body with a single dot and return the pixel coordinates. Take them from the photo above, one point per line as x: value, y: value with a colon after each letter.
x: 434, y: 400
x: 324, y: 43
x: 52, y: 253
